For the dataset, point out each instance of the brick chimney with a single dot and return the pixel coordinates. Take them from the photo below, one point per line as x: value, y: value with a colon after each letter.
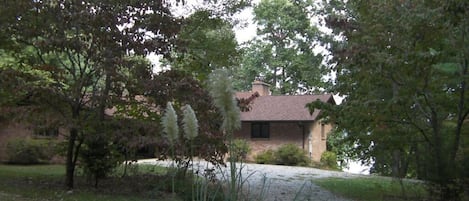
x: 261, y: 87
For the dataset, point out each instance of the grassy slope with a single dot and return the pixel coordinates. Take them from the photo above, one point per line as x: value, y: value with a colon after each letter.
x: 44, y: 182
x: 374, y: 188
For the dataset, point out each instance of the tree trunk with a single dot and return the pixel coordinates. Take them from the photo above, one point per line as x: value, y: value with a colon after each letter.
x: 70, y: 162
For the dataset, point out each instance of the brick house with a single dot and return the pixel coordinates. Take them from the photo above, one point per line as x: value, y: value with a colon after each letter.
x: 10, y: 130
x: 276, y: 120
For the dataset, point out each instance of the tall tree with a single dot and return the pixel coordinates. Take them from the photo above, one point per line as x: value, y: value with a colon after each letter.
x: 206, y: 42
x: 80, y: 45
x: 402, y: 66
x: 283, y: 52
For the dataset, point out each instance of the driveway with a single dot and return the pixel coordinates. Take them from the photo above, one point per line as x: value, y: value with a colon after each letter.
x: 275, y: 182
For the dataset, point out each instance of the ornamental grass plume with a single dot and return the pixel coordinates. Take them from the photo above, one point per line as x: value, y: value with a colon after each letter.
x: 169, y: 121
x: 191, y: 129
x: 170, y: 124
x: 190, y: 123
x: 222, y: 93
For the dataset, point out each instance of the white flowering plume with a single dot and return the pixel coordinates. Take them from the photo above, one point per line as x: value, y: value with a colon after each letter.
x: 222, y: 93
x: 170, y: 124
x: 190, y: 123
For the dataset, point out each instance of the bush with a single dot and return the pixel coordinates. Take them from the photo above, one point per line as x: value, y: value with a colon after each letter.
x: 99, y: 157
x: 265, y: 157
x: 241, y: 149
x: 26, y: 151
x: 291, y: 154
x: 329, y: 160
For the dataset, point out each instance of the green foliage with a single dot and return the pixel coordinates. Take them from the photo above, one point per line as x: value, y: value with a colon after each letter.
x: 182, y: 89
x: 99, y: 157
x: 265, y: 157
x: 85, y: 58
x: 207, y: 42
x: 405, y: 85
x: 27, y: 183
x: 337, y: 143
x: 291, y: 154
x: 241, y: 149
x: 287, y: 154
x: 27, y: 151
x: 329, y: 160
x: 283, y: 51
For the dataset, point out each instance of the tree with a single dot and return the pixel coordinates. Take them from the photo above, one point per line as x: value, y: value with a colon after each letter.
x: 182, y: 89
x: 283, y: 51
x: 402, y: 66
x: 80, y: 46
x: 206, y: 42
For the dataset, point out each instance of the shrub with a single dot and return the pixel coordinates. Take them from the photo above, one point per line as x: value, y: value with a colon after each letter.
x: 290, y: 154
x: 329, y: 160
x: 265, y: 157
x: 26, y: 151
x: 99, y: 157
x: 241, y: 149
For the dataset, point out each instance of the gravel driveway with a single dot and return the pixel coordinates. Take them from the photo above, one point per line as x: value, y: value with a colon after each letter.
x: 281, y: 183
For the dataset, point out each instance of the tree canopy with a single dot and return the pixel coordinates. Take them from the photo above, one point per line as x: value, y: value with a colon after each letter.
x: 402, y: 68
x: 206, y: 42
x: 283, y: 52
x: 80, y: 49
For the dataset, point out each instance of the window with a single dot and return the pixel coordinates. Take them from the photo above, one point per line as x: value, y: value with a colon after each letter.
x: 260, y: 130
x: 46, y: 132
x: 323, y: 131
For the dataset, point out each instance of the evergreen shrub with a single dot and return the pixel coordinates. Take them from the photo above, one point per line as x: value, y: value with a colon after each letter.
x: 329, y: 160
x: 27, y: 151
x: 265, y: 157
x: 291, y: 154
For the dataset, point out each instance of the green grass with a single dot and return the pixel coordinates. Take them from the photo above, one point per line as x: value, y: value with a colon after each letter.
x: 374, y: 188
x: 13, y: 171
x: 45, y: 182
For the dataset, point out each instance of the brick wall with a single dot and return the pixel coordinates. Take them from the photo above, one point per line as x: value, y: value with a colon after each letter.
x: 288, y: 132
x: 8, y: 131
x: 280, y: 133
x: 319, y: 132
x: 15, y: 130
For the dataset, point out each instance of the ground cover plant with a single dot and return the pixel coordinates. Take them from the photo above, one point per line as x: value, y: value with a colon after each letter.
x: 288, y: 154
x: 45, y: 182
x: 375, y: 188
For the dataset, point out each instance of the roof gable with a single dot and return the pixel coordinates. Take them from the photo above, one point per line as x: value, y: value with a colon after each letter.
x: 284, y: 108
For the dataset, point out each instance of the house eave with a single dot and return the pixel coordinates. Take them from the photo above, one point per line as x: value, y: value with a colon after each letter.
x: 277, y: 121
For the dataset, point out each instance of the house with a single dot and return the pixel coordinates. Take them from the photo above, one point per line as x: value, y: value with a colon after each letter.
x: 271, y: 121
x: 12, y: 130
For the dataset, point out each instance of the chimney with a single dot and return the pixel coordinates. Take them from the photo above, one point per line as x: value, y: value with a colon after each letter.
x: 260, y: 87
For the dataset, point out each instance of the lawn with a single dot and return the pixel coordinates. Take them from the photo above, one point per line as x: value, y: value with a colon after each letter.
x: 45, y: 182
x: 374, y: 188
x: 148, y: 182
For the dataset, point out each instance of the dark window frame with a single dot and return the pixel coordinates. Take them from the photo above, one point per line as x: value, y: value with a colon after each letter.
x: 323, y: 131
x: 46, y: 132
x: 260, y: 130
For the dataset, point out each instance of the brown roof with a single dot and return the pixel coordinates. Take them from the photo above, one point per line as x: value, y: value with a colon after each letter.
x: 284, y: 108
x: 246, y: 94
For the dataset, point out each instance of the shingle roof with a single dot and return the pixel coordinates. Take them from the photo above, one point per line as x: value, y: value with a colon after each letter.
x: 243, y: 94
x: 284, y: 108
